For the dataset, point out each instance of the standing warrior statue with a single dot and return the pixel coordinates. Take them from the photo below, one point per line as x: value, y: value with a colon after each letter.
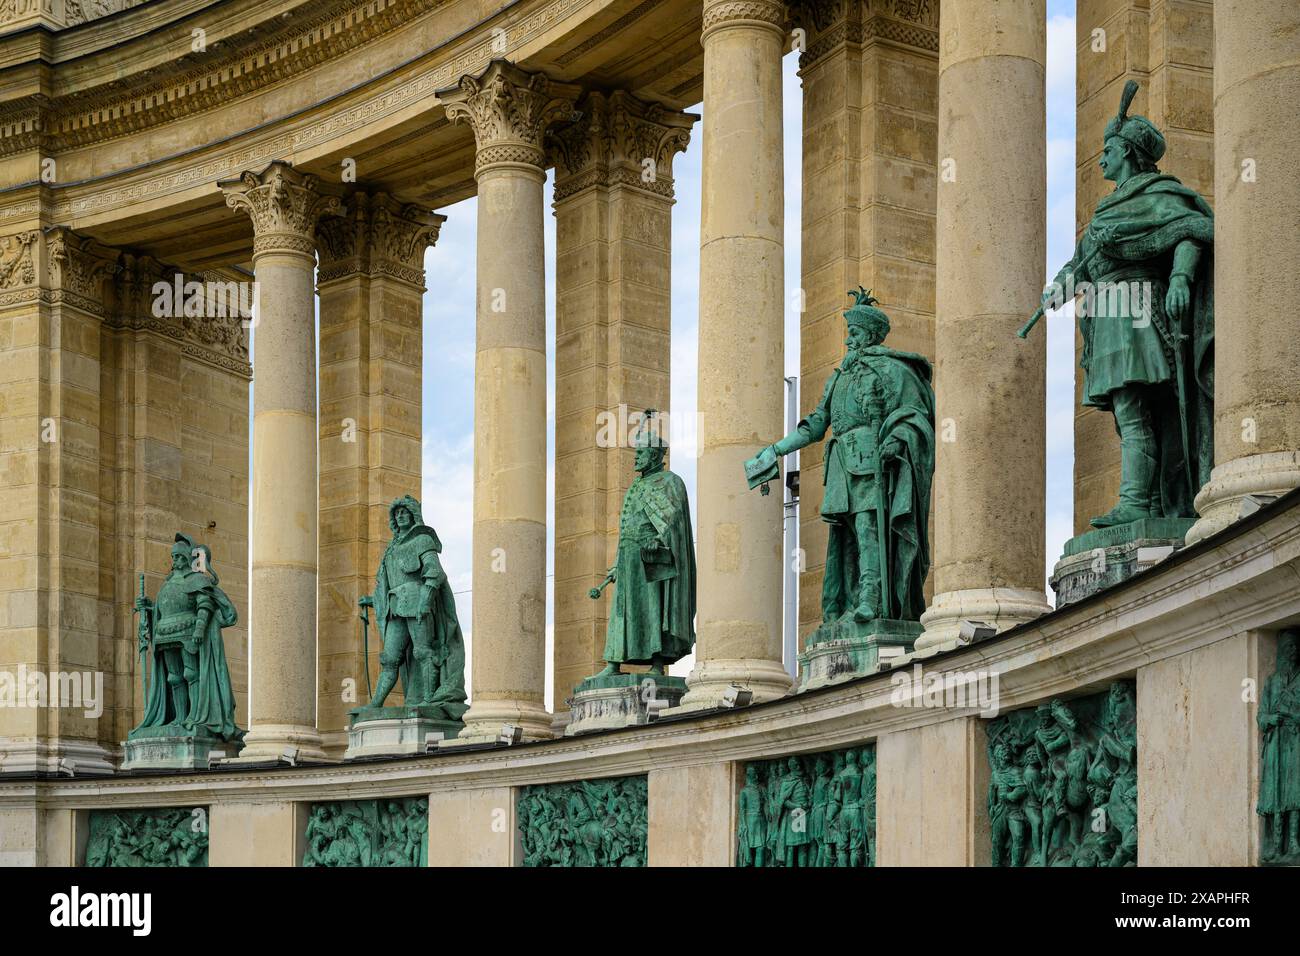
x: 877, y: 470
x: 1147, y: 321
x: 415, y: 614
x: 189, y: 694
x: 653, y: 617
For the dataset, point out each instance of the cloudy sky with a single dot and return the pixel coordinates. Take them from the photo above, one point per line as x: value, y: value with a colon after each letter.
x: 449, y: 327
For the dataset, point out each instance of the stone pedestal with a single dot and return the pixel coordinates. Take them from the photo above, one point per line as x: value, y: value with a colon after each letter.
x: 846, y: 649
x: 175, y: 752
x: 1106, y: 556
x: 395, y: 731
x: 604, y: 703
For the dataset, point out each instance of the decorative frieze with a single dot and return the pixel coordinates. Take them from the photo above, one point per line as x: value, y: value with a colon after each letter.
x: 377, y: 235
x: 1063, y: 782
x: 809, y: 810
x: 175, y: 836
x: 285, y: 206
x: 386, y: 832
x: 619, y: 140
x: 584, y: 823
x: 510, y: 111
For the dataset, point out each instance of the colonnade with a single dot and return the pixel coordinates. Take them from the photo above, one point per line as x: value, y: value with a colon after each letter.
x: 989, y: 508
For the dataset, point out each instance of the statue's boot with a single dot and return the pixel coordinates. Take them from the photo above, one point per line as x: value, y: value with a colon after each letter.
x: 611, y: 668
x: 656, y: 666
x: 1137, y: 475
x: 868, y: 608
x: 387, y: 679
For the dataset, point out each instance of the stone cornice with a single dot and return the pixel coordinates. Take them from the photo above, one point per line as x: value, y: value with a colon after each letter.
x: 510, y: 111
x: 612, y: 142
x: 377, y: 236
x: 285, y: 206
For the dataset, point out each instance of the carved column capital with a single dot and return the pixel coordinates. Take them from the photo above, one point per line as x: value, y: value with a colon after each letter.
x: 285, y: 206
x: 721, y: 14
x: 510, y: 111
x: 80, y: 269
x: 620, y: 140
x: 377, y: 235
x: 829, y: 25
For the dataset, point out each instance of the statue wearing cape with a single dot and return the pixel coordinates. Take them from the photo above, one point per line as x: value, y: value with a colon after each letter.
x: 878, y: 467
x: 189, y: 690
x: 652, y: 618
x: 1145, y: 267
x: 415, y: 613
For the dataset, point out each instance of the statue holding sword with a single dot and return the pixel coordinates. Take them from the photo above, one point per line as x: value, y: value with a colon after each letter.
x: 1145, y: 272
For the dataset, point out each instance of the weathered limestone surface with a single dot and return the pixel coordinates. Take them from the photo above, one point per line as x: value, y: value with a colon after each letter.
x: 613, y: 237
x: 693, y: 815
x: 285, y: 206
x: 990, y: 495
x: 1198, y: 754
x: 1257, y: 254
x: 473, y: 827
x: 740, y: 390
x: 257, y: 833
x: 509, y: 111
x: 371, y: 283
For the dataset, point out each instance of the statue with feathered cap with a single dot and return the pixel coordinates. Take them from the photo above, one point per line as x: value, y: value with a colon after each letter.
x: 878, y: 466
x: 652, y: 618
x: 415, y: 613
x: 1145, y: 268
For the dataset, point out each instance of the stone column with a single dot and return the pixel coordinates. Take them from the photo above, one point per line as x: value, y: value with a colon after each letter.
x: 1256, y: 255
x: 990, y: 473
x: 741, y: 353
x: 870, y: 81
x: 284, y: 205
x: 509, y: 111
x: 55, y: 293
x: 371, y: 284
x: 613, y: 237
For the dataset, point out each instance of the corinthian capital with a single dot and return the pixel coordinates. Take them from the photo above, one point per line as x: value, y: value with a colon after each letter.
x: 377, y: 235
x: 727, y: 13
x: 620, y: 140
x: 510, y: 111
x: 284, y: 205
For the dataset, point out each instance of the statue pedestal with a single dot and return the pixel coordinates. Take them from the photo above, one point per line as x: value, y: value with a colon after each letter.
x: 1104, y: 557
x: 845, y: 649
x: 395, y: 731
x: 604, y: 703
x: 169, y: 750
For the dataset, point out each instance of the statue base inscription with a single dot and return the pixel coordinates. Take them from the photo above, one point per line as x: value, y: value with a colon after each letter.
x: 620, y: 700
x: 395, y: 731
x: 1103, y: 558
x: 175, y: 752
x: 845, y: 649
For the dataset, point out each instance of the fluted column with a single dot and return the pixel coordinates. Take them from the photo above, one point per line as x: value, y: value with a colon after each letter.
x: 991, y: 387
x: 1256, y: 258
x: 509, y: 111
x: 741, y: 352
x: 284, y: 205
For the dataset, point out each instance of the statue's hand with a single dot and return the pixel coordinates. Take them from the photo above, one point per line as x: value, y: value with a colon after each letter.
x: 1053, y: 296
x: 892, y: 449
x: 1102, y: 235
x: 366, y: 601
x: 143, y: 604
x: 1179, y: 297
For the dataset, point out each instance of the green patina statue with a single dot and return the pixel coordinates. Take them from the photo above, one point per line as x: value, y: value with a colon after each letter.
x: 652, y: 620
x: 1279, y: 763
x: 809, y: 810
x: 139, y: 838
x: 188, y: 693
x: 879, y: 463
x: 586, y: 823
x: 1144, y: 268
x: 392, y: 832
x: 1063, y: 782
x: 415, y: 614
